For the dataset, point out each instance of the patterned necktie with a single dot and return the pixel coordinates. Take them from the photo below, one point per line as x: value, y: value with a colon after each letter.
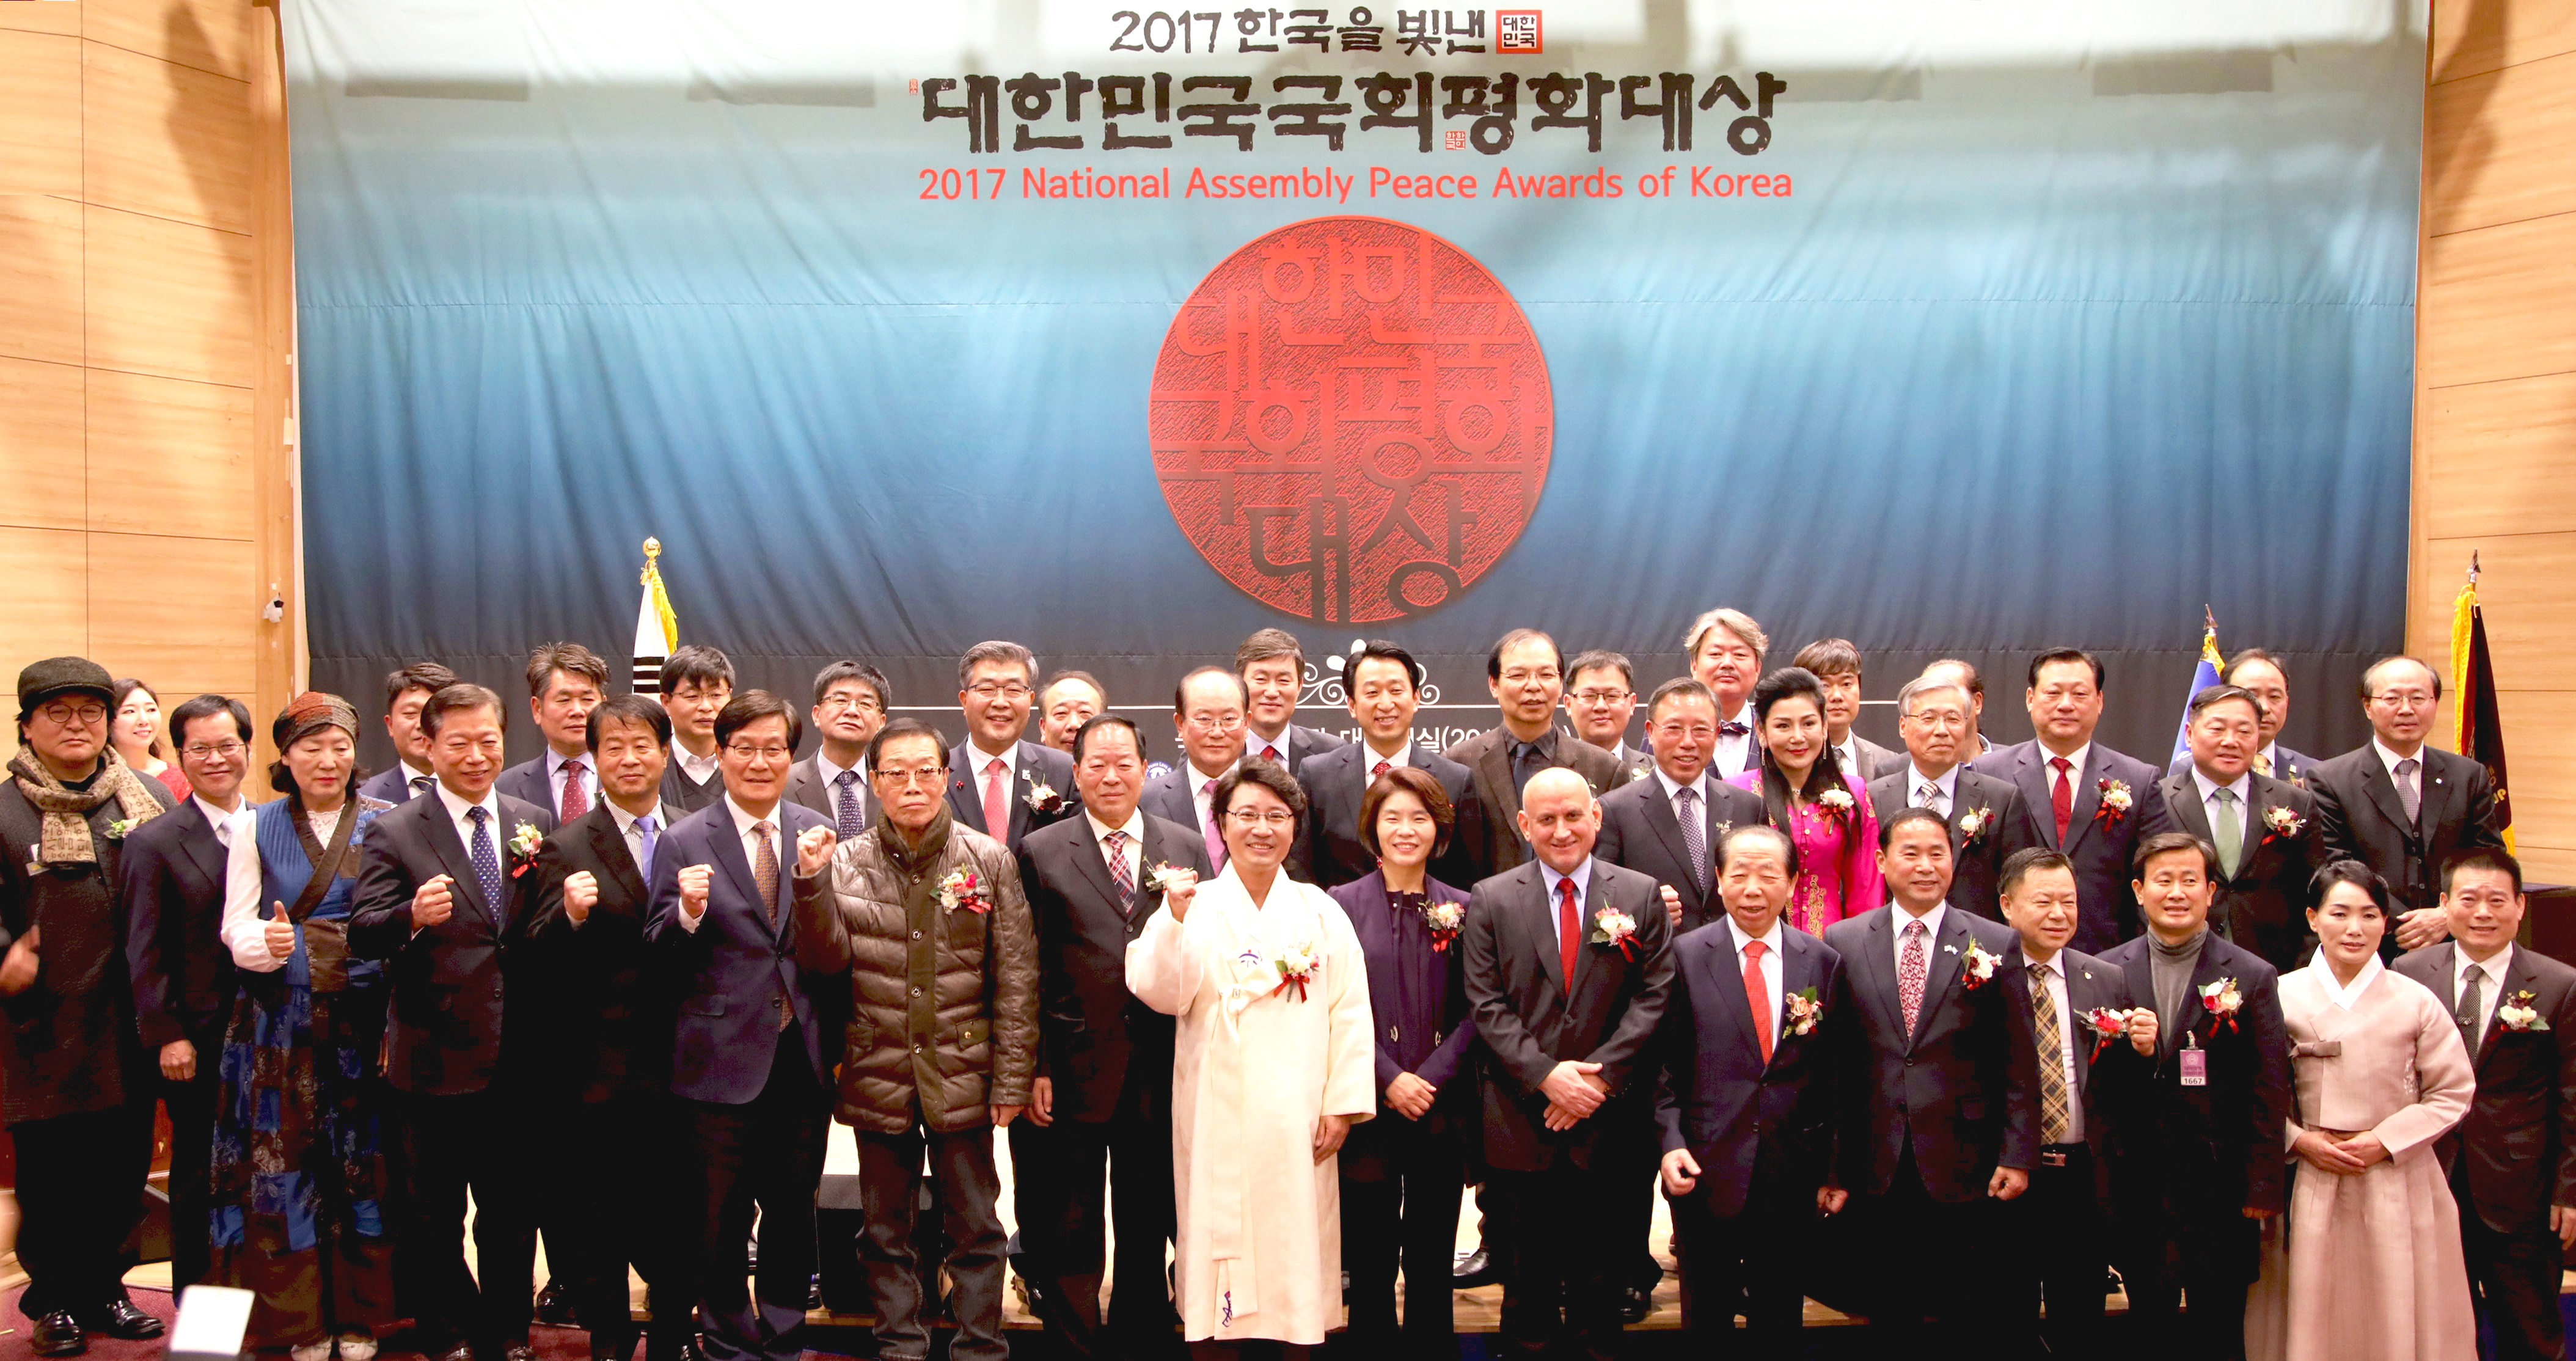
x: 1115, y: 843
x: 1215, y: 842
x: 1569, y: 931
x: 1758, y: 994
x: 2472, y: 1005
x: 1910, y: 973
x: 2226, y: 830
x: 1929, y: 796
x: 764, y: 869
x: 487, y: 863
x: 1694, y: 835
x: 2053, y: 1107
x: 1379, y: 769
x: 997, y: 809
x: 2262, y: 763
x: 2409, y: 792
x: 847, y: 822
x: 576, y: 800
x: 420, y: 784
x: 1732, y: 730
x: 2061, y: 795
x: 651, y: 836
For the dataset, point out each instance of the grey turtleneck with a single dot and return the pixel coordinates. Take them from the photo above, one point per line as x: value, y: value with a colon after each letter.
x: 2170, y: 967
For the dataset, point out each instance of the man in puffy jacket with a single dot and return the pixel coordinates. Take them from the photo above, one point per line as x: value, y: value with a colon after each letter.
x: 926, y: 918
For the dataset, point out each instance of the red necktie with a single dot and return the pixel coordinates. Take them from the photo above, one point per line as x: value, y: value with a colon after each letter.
x: 2061, y: 796
x: 1271, y: 754
x: 1569, y: 931
x: 576, y: 800
x: 997, y: 809
x: 1379, y: 769
x: 1758, y: 993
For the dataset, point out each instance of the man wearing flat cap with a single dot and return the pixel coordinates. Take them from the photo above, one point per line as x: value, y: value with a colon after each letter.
x: 75, y: 1089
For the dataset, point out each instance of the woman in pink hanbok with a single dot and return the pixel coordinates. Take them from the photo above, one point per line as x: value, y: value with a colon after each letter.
x: 1807, y: 794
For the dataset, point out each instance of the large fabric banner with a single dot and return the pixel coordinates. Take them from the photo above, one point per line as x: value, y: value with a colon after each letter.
x: 1951, y: 327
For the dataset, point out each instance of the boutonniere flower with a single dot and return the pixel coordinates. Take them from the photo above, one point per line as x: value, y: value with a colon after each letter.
x: 963, y: 888
x: 2116, y: 799
x: 1042, y: 797
x: 524, y: 842
x: 1803, y: 1010
x: 1973, y: 825
x: 2222, y: 999
x: 2107, y: 1025
x: 116, y: 830
x: 1297, y: 968
x: 1977, y: 967
x: 1617, y: 929
x: 1835, y: 803
x: 1165, y: 876
x: 2520, y: 1013
x: 1443, y: 919
x: 2281, y: 822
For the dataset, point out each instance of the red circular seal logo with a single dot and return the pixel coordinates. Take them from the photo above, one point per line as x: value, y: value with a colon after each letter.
x: 1351, y: 420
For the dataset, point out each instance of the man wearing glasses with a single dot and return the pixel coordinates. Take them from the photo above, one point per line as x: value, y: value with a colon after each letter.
x: 2402, y: 807
x: 74, y: 1086
x: 998, y: 784
x: 1208, y: 709
x: 1600, y: 698
x: 850, y: 701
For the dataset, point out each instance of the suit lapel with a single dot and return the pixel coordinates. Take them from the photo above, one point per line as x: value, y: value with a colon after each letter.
x: 1542, y: 928
x: 1878, y: 964
x: 204, y: 852
x: 1947, y: 944
x: 457, y: 861
x: 611, y: 850
x: 2518, y: 978
x: 1494, y: 772
x: 1668, y: 826
x: 2032, y: 776
x: 2182, y: 800
x: 1090, y: 860
x: 1719, y: 960
x: 2139, y: 974
x: 965, y: 785
x: 2088, y: 796
x: 729, y: 856
x: 2383, y: 793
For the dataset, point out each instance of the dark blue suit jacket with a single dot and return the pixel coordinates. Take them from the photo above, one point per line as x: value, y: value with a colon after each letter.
x: 1034, y: 763
x: 389, y: 786
x: 1640, y: 832
x: 2217, y: 1148
x: 1418, y: 1001
x: 170, y: 889
x: 2107, y: 1076
x: 1092, y: 1031
x: 1336, y: 783
x: 1718, y: 1098
x: 1961, y: 1091
x: 2100, y: 846
x: 729, y: 971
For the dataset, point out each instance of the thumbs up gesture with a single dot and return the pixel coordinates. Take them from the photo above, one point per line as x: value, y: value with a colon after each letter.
x: 279, y: 932
x: 694, y: 880
x: 433, y: 903
x: 814, y: 851
x: 580, y: 895
x: 18, y: 970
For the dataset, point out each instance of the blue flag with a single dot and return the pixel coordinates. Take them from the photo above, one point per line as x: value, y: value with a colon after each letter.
x: 2203, y: 676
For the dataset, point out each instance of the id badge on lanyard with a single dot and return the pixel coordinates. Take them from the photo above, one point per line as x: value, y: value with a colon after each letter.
x: 2195, y: 1061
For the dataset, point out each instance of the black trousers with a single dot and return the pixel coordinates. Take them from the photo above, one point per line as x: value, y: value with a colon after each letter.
x: 615, y: 1201
x: 1406, y: 1213
x: 1932, y: 1284
x: 1748, y: 1261
x: 2189, y: 1252
x: 765, y: 1155
x: 2515, y: 1278
x: 80, y: 1194
x: 970, y: 1189
x: 2053, y: 1238
x: 1065, y: 1175
x: 1570, y: 1255
x: 192, y: 1138
x: 453, y: 1145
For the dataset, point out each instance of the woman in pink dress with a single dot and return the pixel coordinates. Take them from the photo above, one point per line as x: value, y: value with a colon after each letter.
x: 1824, y: 808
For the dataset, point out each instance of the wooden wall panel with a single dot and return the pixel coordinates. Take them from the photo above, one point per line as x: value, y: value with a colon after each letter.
x: 2483, y: 35
x: 209, y: 35
x: 2540, y: 728
x: 2495, y: 458
x: 165, y: 140
x: 40, y: 113
x: 177, y: 612
x: 56, y: 16
x: 170, y: 457
x: 48, y: 600
x: 2476, y: 319
x: 40, y: 444
x: 168, y: 298
x: 40, y: 278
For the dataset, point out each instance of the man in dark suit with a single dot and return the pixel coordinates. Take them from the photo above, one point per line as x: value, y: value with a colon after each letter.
x: 1600, y: 698
x: 1966, y: 676
x: 2512, y: 1161
x: 604, y: 1056
x: 1273, y: 668
x: 2269, y: 838
x: 2260, y: 674
x: 2082, y: 1075
x: 171, y: 895
x: 1068, y: 700
x: 748, y: 1059
x: 1207, y: 715
x: 1725, y: 647
x: 442, y: 896
x: 2403, y: 807
x: 1526, y: 674
x: 2079, y: 798
x: 1384, y: 685
x: 850, y: 701
x: 406, y: 690
x: 1941, y: 1113
x: 696, y: 683
x: 1642, y: 822
x: 1936, y: 718
x: 1835, y: 662
x: 565, y: 682
x: 2196, y: 1160
x: 998, y: 784
x: 1104, y: 1088
x: 1568, y: 969
x: 1746, y: 1104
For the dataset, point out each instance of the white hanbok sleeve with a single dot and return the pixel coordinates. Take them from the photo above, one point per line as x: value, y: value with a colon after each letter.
x: 1166, y: 962
x: 1350, y: 1074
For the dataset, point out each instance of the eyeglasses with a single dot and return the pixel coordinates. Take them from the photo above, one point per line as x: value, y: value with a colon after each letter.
x: 2404, y: 699
x: 988, y: 691
x: 1256, y: 817
x: 920, y: 775
x: 200, y: 750
x: 65, y: 715
x: 773, y: 755
x: 1216, y: 723
x: 1602, y: 696
x: 1545, y: 675
x: 836, y: 703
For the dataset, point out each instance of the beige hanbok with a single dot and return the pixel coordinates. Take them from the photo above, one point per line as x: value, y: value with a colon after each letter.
x: 1254, y: 1068
x: 2369, y: 1265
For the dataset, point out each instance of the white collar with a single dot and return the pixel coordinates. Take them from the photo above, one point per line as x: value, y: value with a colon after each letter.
x: 626, y: 821
x: 979, y: 760
x: 1134, y: 827
x: 2242, y: 786
x: 2075, y: 760
x: 743, y: 821
x: 216, y: 817
x: 1370, y: 756
x: 2340, y: 994
x: 829, y: 773
x: 1898, y: 917
x: 412, y: 772
x: 1287, y: 735
x: 555, y: 761
x: 2390, y: 759
x: 1947, y: 781
x: 1698, y: 786
x: 1771, y: 939
x: 2495, y: 965
x: 2055, y: 964
x: 1582, y: 877
x: 1199, y: 778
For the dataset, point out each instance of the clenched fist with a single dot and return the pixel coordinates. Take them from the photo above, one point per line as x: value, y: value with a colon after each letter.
x: 580, y: 895
x: 693, y: 889
x: 18, y: 970
x: 433, y: 903
x: 814, y: 851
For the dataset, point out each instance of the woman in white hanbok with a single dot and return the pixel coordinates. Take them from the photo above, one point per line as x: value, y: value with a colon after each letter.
x: 1272, y: 1066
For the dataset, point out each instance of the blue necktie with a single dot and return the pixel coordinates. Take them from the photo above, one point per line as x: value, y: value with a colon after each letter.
x: 651, y: 834
x: 487, y: 864
x: 846, y: 820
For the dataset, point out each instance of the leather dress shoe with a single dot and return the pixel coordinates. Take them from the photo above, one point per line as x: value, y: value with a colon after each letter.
x: 127, y: 1323
x: 59, y: 1334
x: 554, y: 1305
x: 459, y: 1351
x: 1474, y: 1269
x: 1635, y: 1304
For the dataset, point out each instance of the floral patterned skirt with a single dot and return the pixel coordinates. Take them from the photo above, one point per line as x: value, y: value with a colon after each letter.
x: 299, y: 1202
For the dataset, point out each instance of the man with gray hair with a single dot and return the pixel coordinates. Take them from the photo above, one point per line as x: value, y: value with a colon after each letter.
x: 1937, y: 718
x: 1725, y: 648
x: 999, y: 784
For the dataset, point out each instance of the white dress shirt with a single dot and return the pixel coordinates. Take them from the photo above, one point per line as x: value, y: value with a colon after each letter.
x: 1582, y: 878
x: 2415, y: 777
x: 2243, y: 788
x: 1847, y: 755
x: 1734, y: 754
x: 779, y: 845
x: 1200, y: 793
x: 1931, y: 920
x: 980, y: 762
x: 1133, y: 852
x: 555, y: 763
x: 1771, y: 974
x: 2074, y: 774
x: 2489, y: 989
x: 1370, y: 756
x: 241, y: 930
x: 2065, y: 1038
x: 220, y: 819
x: 699, y: 769
x: 1257, y: 745
x: 830, y: 774
x: 634, y: 844
x: 1698, y: 788
x: 412, y: 775
x: 1947, y: 782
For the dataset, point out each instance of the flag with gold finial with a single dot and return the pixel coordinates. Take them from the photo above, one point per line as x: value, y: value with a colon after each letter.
x: 2477, y: 732
x: 2203, y: 676
x: 657, y: 629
